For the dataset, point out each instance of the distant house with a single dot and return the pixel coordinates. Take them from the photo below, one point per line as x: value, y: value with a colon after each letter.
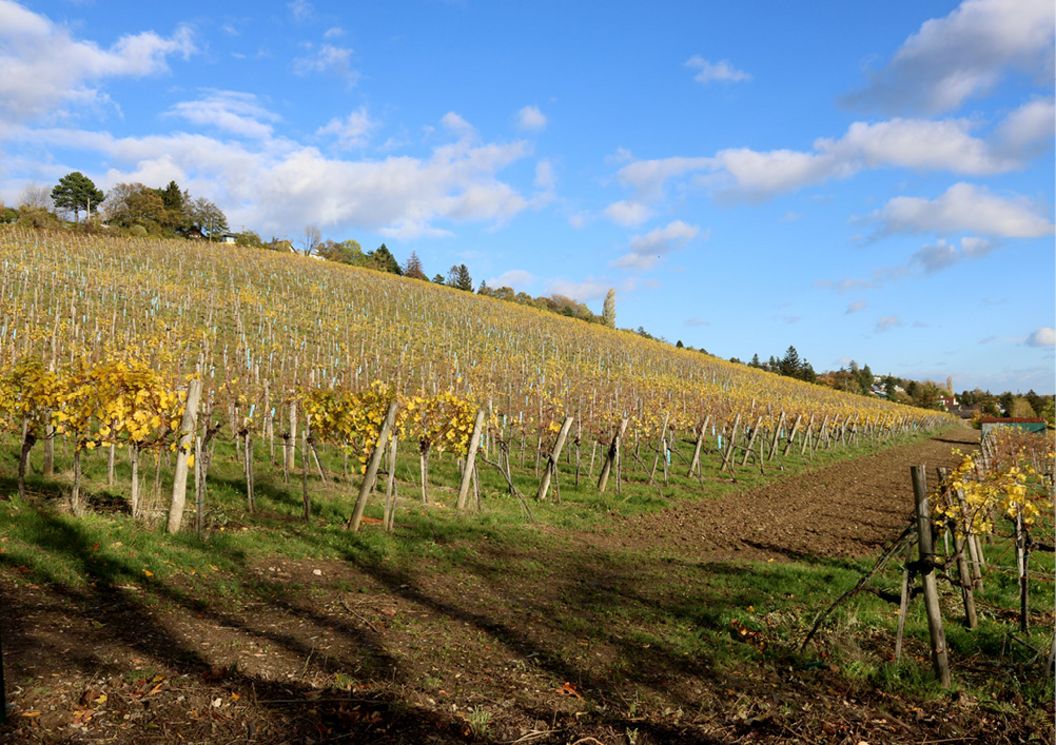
x: 229, y: 238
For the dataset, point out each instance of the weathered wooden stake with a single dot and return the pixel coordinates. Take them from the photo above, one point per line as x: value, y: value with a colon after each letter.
x: 179, y: 476
x: 471, y: 458
x: 552, y: 459
x: 372, y: 469
x: 694, y: 463
x: 939, y: 659
x: 610, y: 458
x: 390, y: 489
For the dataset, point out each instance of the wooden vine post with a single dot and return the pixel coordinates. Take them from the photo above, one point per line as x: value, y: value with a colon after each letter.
x: 291, y: 440
x: 612, y: 455
x: 777, y: 434
x: 661, y: 446
x: 727, y: 458
x: 939, y: 660
x: 694, y: 464
x: 792, y: 435
x: 390, y: 488
x: 372, y: 469
x: 183, y: 450
x: 964, y: 575
x: 471, y: 460
x: 552, y: 459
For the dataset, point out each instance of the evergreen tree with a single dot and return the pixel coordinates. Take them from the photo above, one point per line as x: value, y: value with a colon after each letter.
x: 790, y: 363
x: 608, y: 311
x: 438, y: 279
x: 382, y: 259
x: 76, y: 192
x: 413, y: 267
x: 755, y: 361
x: 459, y: 277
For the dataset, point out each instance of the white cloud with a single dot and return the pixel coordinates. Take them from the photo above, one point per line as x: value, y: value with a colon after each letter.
x: 45, y: 67
x: 721, y: 71
x: 942, y: 254
x: 964, y: 207
x: 629, y: 214
x: 963, y: 55
x: 588, y: 289
x: 531, y: 119
x: 916, y: 143
x: 646, y: 249
x: 352, y: 131
x: 334, y: 32
x: 230, y: 111
x: 919, y: 144
x: 1043, y: 337
x: 277, y: 185
x: 518, y: 279
x: 457, y: 124
x: 855, y: 307
x: 1027, y: 130
x: 327, y: 59
x: 649, y: 176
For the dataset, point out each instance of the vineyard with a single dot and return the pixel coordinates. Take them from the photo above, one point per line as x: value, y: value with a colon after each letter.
x: 105, y: 341
x: 250, y: 496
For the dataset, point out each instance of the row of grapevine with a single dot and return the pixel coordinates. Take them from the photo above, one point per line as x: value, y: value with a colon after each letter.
x: 290, y: 350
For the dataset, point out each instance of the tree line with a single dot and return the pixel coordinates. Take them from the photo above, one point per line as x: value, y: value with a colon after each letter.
x: 132, y: 208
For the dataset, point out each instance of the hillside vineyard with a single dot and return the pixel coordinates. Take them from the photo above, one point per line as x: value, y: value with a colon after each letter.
x: 266, y: 333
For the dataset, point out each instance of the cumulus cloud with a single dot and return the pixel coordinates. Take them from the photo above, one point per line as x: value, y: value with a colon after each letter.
x: 1028, y: 130
x: 230, y: 111
x: 648, y: 248
x: 276, y: 185
x: 588, y: 289
x: 629, y: 214
x: 518, y: 279
x: 964, y: 207
x: 351, y: 131
x: 1043, y: 337
x: 721, y: 71
x: 45, y: 67
x: 919, y: 144
x: 327, y: 59
x: 963, y: 55
x: 531, y: 119
x: 648, y: 177
x: 942, y: 254
x: 855, y: 307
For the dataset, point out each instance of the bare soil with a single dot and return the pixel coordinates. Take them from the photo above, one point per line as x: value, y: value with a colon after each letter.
x: 511, y: 646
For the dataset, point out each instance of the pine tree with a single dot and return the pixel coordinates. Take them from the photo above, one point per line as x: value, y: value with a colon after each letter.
x: 459, y: 277
x: 413, y: 267
x: 76, y: 192
x: 608, y: 311
x: 790, y: 364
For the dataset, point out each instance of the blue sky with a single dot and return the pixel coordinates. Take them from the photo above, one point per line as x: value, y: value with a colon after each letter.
x: 866, y: 181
